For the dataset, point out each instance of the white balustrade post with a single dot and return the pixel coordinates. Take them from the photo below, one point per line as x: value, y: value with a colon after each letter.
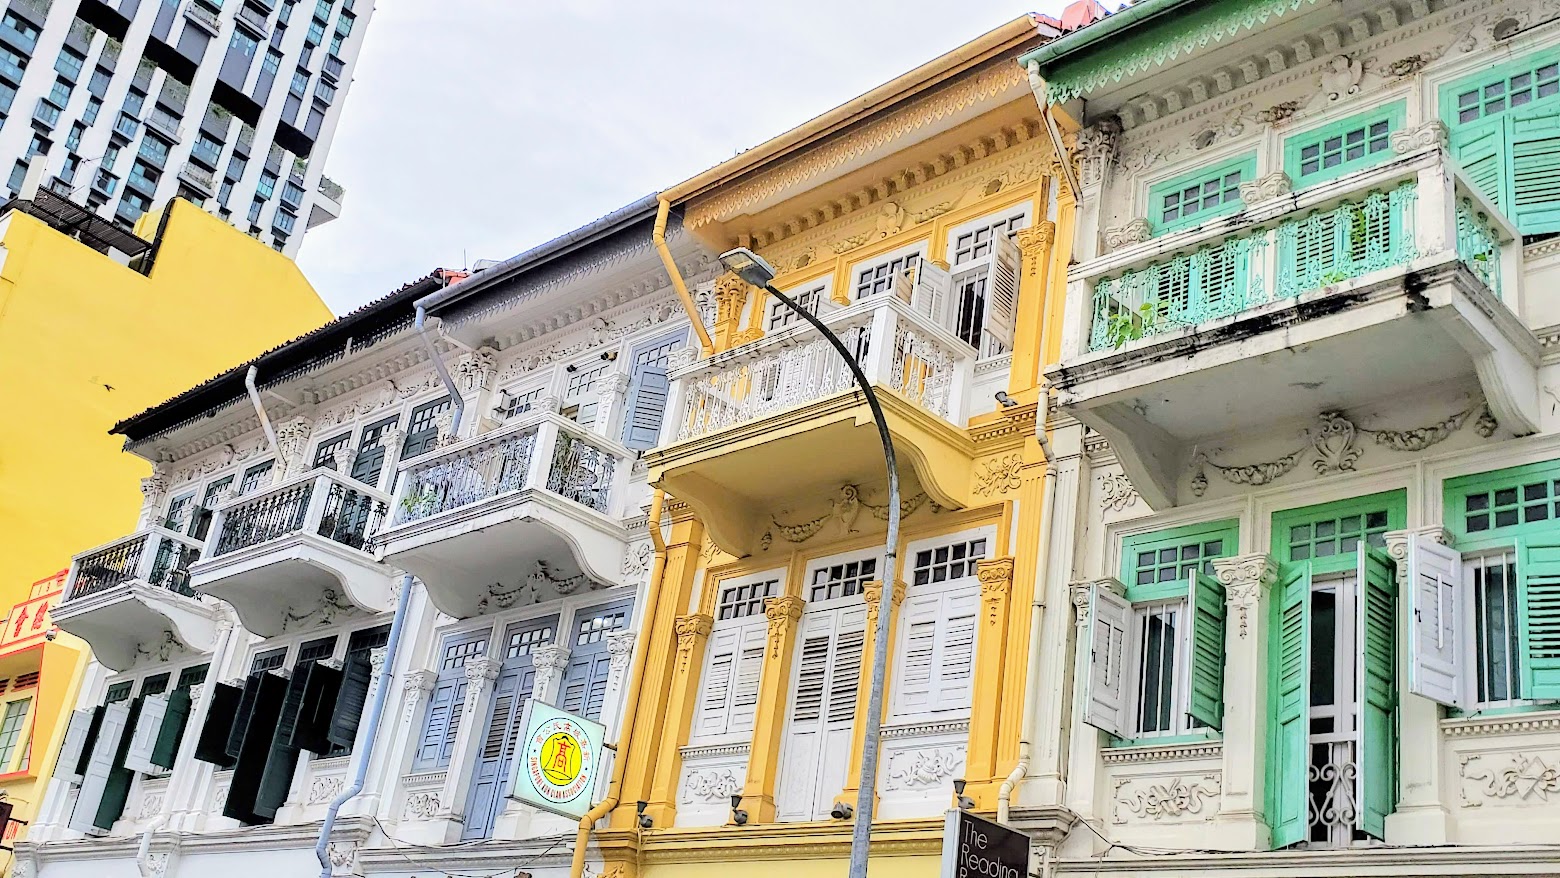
x: 676, y: 423
x: 214, y: 533
x: 880, y: 345
x: 315, y: 511
x: 143, y: 564
x: 1076, y: 319
x: 611, y: 404
x: 1435, y: 210
x: 542, y: 451
x: 959, y: 388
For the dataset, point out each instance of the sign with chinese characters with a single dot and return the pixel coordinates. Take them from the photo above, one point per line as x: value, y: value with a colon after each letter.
x: 559, y: 756
x: 977, y: 848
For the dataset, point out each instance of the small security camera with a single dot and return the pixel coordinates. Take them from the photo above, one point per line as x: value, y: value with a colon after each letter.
x: 609, y: 356
x: 842, y: 811
x: 738, y: 816
x: 1006, y: 401
x: 571, y: 368
x: 645, y: 820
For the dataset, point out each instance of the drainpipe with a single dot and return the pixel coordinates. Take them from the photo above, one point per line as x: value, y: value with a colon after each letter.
x: 456, y: 401
x: 1036, y: 620
x: 254, y: 397
x: 635, y: 681
x: 376, y: 712
x: 1037, y: 85
x: 658, y: 236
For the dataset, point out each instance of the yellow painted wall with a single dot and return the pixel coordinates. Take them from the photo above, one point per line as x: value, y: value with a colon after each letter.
x: 86, y: 341
x: 921, y: 866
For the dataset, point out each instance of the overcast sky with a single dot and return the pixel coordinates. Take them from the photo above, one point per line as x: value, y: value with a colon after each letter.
x: 479, y: 128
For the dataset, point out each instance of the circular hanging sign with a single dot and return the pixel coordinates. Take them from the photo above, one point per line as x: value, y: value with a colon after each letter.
x: 559, y: 756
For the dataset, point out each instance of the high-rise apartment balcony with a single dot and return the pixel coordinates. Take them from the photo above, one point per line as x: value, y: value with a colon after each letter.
x: 781, y: 418
x: 534, y: 507
x: 133, y: 596
x: 203, y: 15
x: 295, y: 547
x: 1349, y: 292
x: 326, y: 205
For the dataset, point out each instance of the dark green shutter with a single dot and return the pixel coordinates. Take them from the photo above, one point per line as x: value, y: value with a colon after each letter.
x: 112, y: 806
x: 91, y: 741
x: 255, y: 736
x: 1377, y: 673
x: 1289, y: 705
x: 322, y: 683
x: 211, y: 746
x: 166, y: 750
x: 1206, y: 704
x: 351, y: 698
x: 246, y: 705
x: 1538, y: 617
x: 1535, y: 169
x: 282, y: 761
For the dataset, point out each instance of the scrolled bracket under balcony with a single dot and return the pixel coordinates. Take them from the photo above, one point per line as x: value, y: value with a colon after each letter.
x: 1354, y: 291
x: 781, y: 418
x: 527, y: 512
x: 296, y: 550
x: 132, y: 598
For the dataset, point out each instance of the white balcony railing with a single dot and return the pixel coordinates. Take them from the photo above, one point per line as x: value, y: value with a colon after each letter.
x: 539, y: 452
x: 1388, y: 218
x: 898, y: 348
x: 323, y: 503
x: 155, y: 556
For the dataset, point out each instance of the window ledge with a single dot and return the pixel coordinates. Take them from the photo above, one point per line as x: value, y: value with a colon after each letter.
x: 1204, y: 746
x: 1521, y: 719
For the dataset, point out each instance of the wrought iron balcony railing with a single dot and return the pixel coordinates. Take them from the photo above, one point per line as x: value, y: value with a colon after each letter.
x: 898, y: 348
x: 322, y: 503
x: 541, y: 451
x: 155, y: 556
x: 1366, y: 223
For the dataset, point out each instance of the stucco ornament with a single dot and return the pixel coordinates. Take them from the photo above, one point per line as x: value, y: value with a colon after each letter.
x: 1097, y: 149
x: 1173, y: 798
x: 1430, y: 134
x: 782, y: 614
x: 1341, y: 77
x: 923, y: 768
x: 999, y: 475
x: 1525, y: 777
x: 1245, y: 578
x: 1265, y: 187
x: 711, y: 785
x: 1134, y: 231
x: 1279, y: 113
x: 1116, y: 492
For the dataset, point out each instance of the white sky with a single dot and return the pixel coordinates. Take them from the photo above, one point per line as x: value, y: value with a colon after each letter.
x: 480, y: 128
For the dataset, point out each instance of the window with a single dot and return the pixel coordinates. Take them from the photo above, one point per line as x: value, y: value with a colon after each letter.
x: 292, y: 194
x: 316, y: 34
x: 255, y: 477
x: 579, y: 402
x: 271, y: 63
x: 143, y: 177
x: 90, y: 114
x: 73, y: 140
x: 514, y: 403
x: 649, y: 385
x: 266, y: 187
x: 934, y: 652
x: 68, y: 64
x: 154, y: 149
x: 422, y: 429
x: 23, y: 29
x: 119, y: 691
x: 1497, y: 647
x: 1503, y: 135
x: 59, y: 93
x: 779, y: 316
x: 325, y: 452
x: 12, y: 65
x: 1329, y: 537
x: 522, y: 641
x: 441, y: 722
x: 978, y: 242
x: 841, y: 580
x: 734, y: 661
x: 269, y: 660
x: 1340, y: 147
x: 1507, y: 90
x: 881, y: 277
x: 236, y: 166
x: 254, y: 209
x: 11, y: 729
x: 156, y: 684
x: 300, y: 82
x: 192, y: 676
x: 743, y: 598
x: 283, y: 221
x: 822, y: 710
x: 206, y: 149
x: 39, y: 145
x: 370, y: 460
x: 1199, y: 196
x: 17, y: 178
x: 97, y: 85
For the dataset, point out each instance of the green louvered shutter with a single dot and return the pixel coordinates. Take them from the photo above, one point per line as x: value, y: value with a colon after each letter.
x: 1538, y: 617
x: 1481, y: 150
x: 1289, y: 705
x: 1535, y: 169
x: 282, y: 761
x: 322, y: 683
x: 246, y: 706
x: 1376, y: 627
x: 350, y: 701
x: 211, y: 745
x: 255, y: 736
x: 117, y: 791
x: 177, y: 716
x: 1206, y: 704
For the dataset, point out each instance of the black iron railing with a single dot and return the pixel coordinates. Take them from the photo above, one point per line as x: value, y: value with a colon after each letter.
x: 264, y: 518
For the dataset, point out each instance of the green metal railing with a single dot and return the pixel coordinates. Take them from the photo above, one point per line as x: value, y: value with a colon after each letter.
x: 1477, y: 245
x: 1220, y: 280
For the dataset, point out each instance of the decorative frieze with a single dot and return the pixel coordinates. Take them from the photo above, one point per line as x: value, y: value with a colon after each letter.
x: 923, y: 768
x: 1509, y: 778
x: 844, y: 510
x: 1166, y: 799
x: 475, y: 371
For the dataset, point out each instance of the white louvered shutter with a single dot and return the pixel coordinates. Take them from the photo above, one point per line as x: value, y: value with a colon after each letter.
x: 1105, y: 698
x: 70, y: 749
x: 932, y: 293
x: 934, y: 670
x: 917, y: 655
x: 94, y: 781
x: 1435, y: 604
x: 143, y: 739
x: 750, y: 670
x: 956, y: 652
x: 1002, y: 296
x: 715, y: 694
x: 804, y: 736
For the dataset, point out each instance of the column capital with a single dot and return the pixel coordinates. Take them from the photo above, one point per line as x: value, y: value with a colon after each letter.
x: 691, y: 630
x: 376, y: 660
x: 1038, y: 238
x: 1397, y: 540
x: 782, y: 613
x: 421, y: 680
x: 872, y: 593
x: 1081, y: 591
x: 480, y: 670
x: 620, y: 646
x: 996, y: 584
x: 554, y: 656
x: 1246, y: 580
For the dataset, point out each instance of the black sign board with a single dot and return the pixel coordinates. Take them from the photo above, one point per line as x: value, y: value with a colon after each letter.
x: 977, y: 848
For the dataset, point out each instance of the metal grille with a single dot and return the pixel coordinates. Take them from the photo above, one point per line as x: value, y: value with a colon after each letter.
x: 582, y: 472
x: 108, y: 568
x: 350, y: 517
x: 1498, y: 648
x: 468, y: 476
x: 264, y: 518
x: 1158, y: 668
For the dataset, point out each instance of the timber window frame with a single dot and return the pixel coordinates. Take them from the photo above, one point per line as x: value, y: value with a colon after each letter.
x: 881, y: 274
x: 1354, y: 143
x: 812, y: 296
x: 985, y: 266
x: 1199, y: 195
x: 734, y: 659
x: 937, y: 630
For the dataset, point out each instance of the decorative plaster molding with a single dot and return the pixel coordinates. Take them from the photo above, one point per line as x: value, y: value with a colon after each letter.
x: 1167, y: 800
x: 710, y: 785
x: 1135, y: 231
x: 1509, y: 724
x: 782, y: 613
x: 927, y: 730
x: 1524, y: 776
x: 1430, y: 134
x: 999, y: 475
x: 1163, y: 753
x: 1245, y: 579
x: 715, y: 751
x: 922, y: 768
x: 996, y: 583
x: 1116, y: 492
x: 1265, y: 187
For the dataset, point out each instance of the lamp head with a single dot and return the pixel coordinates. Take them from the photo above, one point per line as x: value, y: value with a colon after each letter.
x: 842, y: 811
x: 738, y: 816
x: 958, y: 786
x: 749, y: 266
x: 645, y: 820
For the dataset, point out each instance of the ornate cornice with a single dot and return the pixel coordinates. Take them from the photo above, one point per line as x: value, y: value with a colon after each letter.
x: 1163, y: 752
x: 1506, y: 724
x: 1013, y: 425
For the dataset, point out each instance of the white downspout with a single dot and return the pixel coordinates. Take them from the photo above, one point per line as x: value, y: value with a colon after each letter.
x: 254, y: 397
x: 1036, y: 621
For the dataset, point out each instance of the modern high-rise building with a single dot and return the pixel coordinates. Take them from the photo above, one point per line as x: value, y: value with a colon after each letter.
x: 132, y: 102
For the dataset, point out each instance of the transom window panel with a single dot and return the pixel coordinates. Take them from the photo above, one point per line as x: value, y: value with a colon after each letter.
x: 880, y: 277
x: 952, y: 561
x: 1342, y: 535
x: 118, y: 691
x: 325, y: 454
x: 594, y: 627
x: 1507, y: 506
x: 268, y: 660
x: 808, y: 297
x: 156, y: 684
x: 515, y: 403
x: 978, y: 243
x: 193, y: 676
x: 1343, y: 146
x: 1173, y: 563
x: 1200, y: 195
x: 458, y: 653
x: 1508, y: 91
x: 842, y: 580
x: 743, y: 598
x: 1496, y: 621
x: 422, y: 428
x: 523, y: 641
x: 255, y: 478
x: 1157, y: 565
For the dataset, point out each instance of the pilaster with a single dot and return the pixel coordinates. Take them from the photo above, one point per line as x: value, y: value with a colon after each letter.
x: 693, y: 634
x: 611, y: 402
x: 549, y: 660
x: 980, y: 760
x: 1421, y: 817
x: 758, y: 791
x: 1084, y: 766
x: 731, y: 296
x: 1248, y: 582
x: 872, y: 594
x: 415, y: 690
x: 1034, y: 243
x: 480, y: 674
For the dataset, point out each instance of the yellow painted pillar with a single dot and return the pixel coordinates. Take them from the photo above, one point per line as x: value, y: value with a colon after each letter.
x: 758, y: 791
x: 682, y: 558
x: 731, y: 295
x: 980, y: 760
x: 872, y: 593
x: 693, y: 632
x: 1035, y: 244
x: 1015, y: 661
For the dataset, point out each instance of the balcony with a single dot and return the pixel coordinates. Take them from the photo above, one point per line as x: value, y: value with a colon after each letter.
x: 204, y: 16
x: 295, y: 549
x: 133, y: 597
x: 255, y: 19
x: 470, y: 518
x: 326, y: 205
x: 198, y: 178
x: 1353, y: 291
x: 332, y: 68
x: 786, y: 404
x: 166, y: 123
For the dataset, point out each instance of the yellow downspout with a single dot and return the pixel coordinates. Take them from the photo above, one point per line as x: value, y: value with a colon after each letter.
x: 663, y: 211
x: 636, y: 676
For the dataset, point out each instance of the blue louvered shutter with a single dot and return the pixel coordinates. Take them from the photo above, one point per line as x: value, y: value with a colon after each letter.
x: 511, y: 691
x: 1538, y: 617
x: 585, y: 685
x: 433, y: 750
x: 1289, y: 706
x: 646, y: 406
x: 1206, y: 701
x: 1376, y: 629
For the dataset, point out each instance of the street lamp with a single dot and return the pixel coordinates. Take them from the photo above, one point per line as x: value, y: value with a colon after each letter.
x: 752, y: 268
